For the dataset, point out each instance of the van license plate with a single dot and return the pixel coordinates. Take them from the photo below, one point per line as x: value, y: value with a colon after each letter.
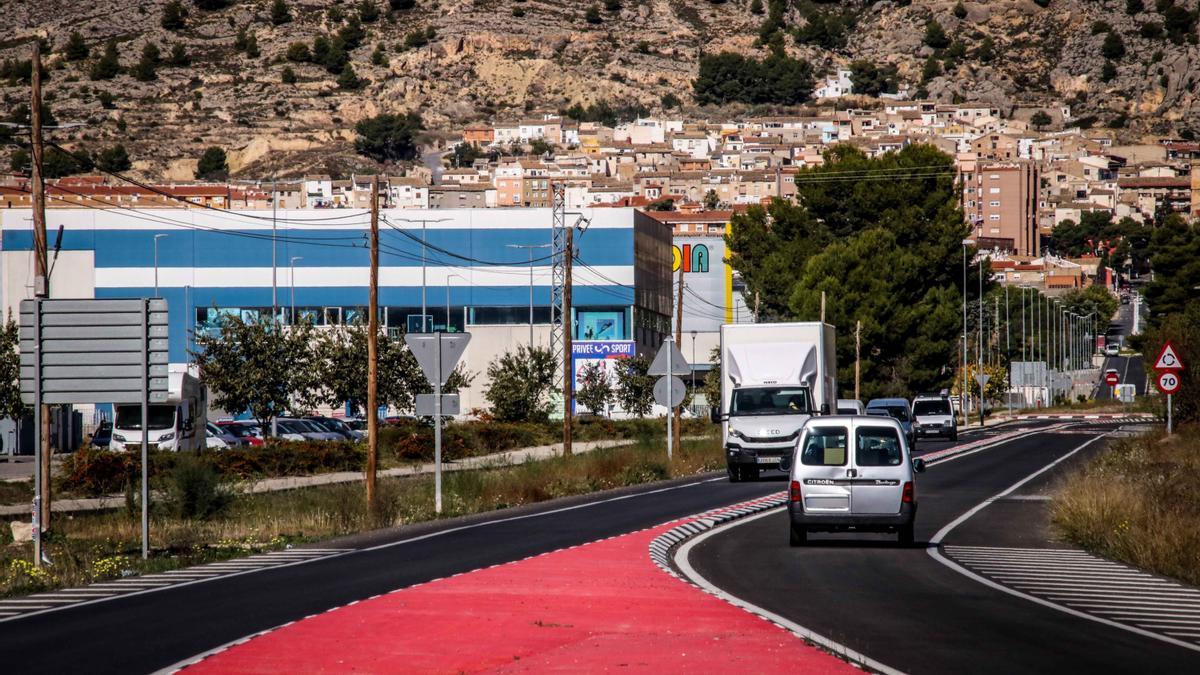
x: 768, y: 460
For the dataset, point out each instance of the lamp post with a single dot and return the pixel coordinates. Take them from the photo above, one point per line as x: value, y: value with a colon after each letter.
x: 965, y: 388
x: 292, y: 279
x: 979, y: 354
x: 448, y: 278
x: 156, y: 238
x: 424, y: 249
x: 530, y: 248
x: 693, y: 363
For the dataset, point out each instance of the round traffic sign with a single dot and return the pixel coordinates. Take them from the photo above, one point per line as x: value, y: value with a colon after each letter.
x: 1112, y: 379
x: 669, y: 391
x: 1168, y: 382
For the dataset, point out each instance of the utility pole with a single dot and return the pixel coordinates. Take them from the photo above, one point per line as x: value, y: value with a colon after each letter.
x: 857, y: 359
x: 373, y: 353
x: 41, y: 284
x: 568, y: 329
x: 757, y: 300
x: 677, y: 412
x: 822, y: 306
x: 979, y: 355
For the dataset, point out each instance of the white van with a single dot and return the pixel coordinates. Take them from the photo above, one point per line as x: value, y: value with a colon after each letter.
x: 177, y: 424
x: 852, y: 473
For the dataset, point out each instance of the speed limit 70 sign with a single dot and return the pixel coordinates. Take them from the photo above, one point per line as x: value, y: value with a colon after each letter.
x: 1168, y: 382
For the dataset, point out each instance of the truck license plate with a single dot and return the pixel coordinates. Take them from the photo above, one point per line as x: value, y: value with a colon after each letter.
x: 768, y: 460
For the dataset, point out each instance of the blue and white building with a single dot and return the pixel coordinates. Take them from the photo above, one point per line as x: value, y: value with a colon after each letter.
x: 469, y: 273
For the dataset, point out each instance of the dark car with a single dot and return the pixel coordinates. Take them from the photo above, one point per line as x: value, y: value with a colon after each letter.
x: 103, y: 435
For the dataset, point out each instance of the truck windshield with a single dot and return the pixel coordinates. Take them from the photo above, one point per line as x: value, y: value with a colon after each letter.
x: 130, y: 417
x: 931, y: 407
x: 770, y: 401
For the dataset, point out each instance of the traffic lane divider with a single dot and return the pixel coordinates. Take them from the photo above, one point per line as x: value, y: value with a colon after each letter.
x: 599, y: 606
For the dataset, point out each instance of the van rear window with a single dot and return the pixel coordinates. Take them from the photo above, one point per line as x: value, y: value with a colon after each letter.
x: 877, y: 446
x: 824, y: 446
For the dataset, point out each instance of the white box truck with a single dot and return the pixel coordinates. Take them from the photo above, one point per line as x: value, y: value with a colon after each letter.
x: 774, y: 376
x: 178, y: 424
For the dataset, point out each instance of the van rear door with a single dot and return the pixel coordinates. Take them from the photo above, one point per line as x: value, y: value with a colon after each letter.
x: 823, y: 469
x: 880, y: 469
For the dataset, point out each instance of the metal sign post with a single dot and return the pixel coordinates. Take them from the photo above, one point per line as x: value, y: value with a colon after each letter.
x: 669, y: 389
x: 93, y: 351
x: 1170, y: 377
x: 437, y: 354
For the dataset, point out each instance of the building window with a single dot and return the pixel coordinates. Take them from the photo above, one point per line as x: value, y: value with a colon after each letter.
x: 994, y: 203
x: 994, y: 191
x: 994, y: 216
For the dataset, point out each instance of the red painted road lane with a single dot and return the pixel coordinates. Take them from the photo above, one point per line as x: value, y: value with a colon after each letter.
x: 597, y: 607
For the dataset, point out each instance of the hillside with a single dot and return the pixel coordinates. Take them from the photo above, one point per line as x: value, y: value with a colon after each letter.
x: 458, y: 61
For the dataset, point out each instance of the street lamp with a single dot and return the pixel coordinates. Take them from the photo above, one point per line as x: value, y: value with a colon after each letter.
x: 424, y: 249
x: 448, y: 278
x: 693, y: 363
x: 979, y: 355
x: 292, y: 279
x: 530, y: 248
x: 963, y: 399
x: 156, y: 238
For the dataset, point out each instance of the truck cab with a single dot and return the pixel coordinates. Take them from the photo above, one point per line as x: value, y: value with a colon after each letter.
x: 177, y: 424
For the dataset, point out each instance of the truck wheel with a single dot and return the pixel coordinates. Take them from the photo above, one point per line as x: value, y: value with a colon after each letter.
x: 906, y: 536
x: 735, y: 473
x: 797, y: 536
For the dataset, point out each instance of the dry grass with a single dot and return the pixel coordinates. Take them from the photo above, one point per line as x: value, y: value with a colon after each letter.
x: 95, y: 546
x: 1139, y: 502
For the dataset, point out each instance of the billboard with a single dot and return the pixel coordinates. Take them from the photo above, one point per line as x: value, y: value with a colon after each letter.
x: 608, y: 353
x: 708, y: 300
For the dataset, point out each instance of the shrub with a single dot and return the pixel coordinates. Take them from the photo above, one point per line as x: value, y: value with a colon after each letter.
x: 109, y: 64
x: 935, y: 35
x: 213, y: 165
x: 592, y: 15
x: 173, y: 15
x: 1113, y: 47
x: 288, y: 76
x: 280, y: 14
x: 195, y: 491
x: 960, y: 11
x: 76, y: 49
x: 349, y: 79
x: 94, y: 472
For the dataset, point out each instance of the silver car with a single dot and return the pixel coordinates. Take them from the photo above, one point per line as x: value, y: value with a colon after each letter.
x: 852, y: 473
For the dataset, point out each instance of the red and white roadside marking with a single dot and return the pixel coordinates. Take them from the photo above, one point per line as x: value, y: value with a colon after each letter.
x: 599, y: 606
x: 1116, y: 417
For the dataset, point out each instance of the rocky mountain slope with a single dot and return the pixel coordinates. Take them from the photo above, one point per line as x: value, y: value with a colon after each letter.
x: 458, y: 61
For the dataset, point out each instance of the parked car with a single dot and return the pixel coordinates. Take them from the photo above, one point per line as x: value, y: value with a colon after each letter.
x: 934, y: 416
x: 851, y: 473
x: 897, y: 409
x: 247, y: 432
x: 336, y: 426
x: 1112, y: 349
x: 850, y: 406
x: 103, y: 435
x: 306, y: 430
x: 218, y: 438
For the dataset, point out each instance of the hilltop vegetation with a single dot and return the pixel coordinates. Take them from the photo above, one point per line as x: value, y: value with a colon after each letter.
x: 280, y: 84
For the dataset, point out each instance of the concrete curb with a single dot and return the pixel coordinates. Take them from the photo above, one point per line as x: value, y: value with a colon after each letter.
x: 662, y: 545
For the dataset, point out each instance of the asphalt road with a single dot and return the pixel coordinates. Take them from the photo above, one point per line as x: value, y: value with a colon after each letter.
x: 1131, y: 368
x: 143, y: 633
x: 904, y: 609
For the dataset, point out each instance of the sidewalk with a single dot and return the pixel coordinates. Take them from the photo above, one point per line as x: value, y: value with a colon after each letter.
x: 600, y: 607
x: 494, y: 460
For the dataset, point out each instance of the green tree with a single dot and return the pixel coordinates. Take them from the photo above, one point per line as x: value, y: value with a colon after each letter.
x: 871, y: 80
x: 1175, y: 258
x: 1179, y: 23
x: 1182, y: 329
x: 213, y: 165
x: 960, y: 10
x: 388, y: 137
x: 540, y: 146
x: 729, y: 77
x: 884, y: 250
x: 151, y: 53
x: 212, y: 5
x: 935, y: 35
x: 1040, y: 119
x: 756, y: 7
x: 57, y: 163
x: 464, y: 154
x: 402, y: 5
x: 592, y: 15
x: 288, y: 76
x: 252, y: 46
x: 1113, y: 47
x: 1100, y: 26
x: 11, y: 407
x: 635, y: 389
x: 179, y: 56
x: 1133, y: 7
x: 173, y: 15
x: 114, y: 159
x: 612, y: 6
x: 379, y: 57
x: 76, y: 49
x: 931, y: 69
x: 520, y: 385
x: 349, y: 79
x: 20, y: 161
x: 986, y: 51
x: 595, y: 389
x: 352, y: 34
x: 258, y: 366
x: 670, y: 101
x: 298, y: 52
x: 109, y: 64
x: 1108, y: 71
x: 368, y: 11
x: 1093, y: 299
x: 341, y: 369
x: 711, y: 200
x: 280, y: 14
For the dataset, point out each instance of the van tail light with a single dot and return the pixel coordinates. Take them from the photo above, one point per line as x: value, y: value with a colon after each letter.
x: 908, y: 496
x: 796, y: 495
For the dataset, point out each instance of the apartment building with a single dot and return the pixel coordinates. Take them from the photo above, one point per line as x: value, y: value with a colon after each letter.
x: 1000, y: 200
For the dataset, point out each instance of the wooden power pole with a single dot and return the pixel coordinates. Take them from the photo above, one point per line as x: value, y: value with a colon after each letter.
x: 678, y: 412
x: 857, y: 359
x: 373, y: 354
x: 41, y: 282
x: 567, y: 332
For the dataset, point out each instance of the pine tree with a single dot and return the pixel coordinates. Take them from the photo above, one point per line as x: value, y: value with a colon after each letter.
x: 114, y: 159
x: 252, y: 46
x: 76, y: 49
x: 960, y: 11
x: 349, y: 79
x: 288, y: 76
x: 179, y: 56
x: 109, y: 64
x: 213, y: 165
x: 173, y: 15
x: 280, y: 14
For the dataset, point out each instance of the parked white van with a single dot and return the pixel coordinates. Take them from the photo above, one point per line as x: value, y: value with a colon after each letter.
x: 852, y: 473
